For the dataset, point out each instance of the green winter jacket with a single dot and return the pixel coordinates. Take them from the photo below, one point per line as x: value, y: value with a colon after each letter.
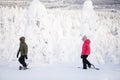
x: 23, y: 49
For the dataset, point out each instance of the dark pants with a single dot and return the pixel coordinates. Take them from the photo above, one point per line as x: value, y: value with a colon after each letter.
x: 85, y: 62
x: 22, y: 61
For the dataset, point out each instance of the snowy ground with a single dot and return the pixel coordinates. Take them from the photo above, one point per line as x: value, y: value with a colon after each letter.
x: 60, y: 72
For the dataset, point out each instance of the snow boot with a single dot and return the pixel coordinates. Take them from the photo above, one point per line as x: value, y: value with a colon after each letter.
x: 89, y: 65
x: 20, y: 67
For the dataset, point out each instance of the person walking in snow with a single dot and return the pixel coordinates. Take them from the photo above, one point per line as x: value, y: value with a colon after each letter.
x: 23, y: 50
x: 85, y: 52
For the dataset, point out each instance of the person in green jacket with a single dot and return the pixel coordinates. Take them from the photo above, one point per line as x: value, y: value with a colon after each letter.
x: 23, y: 50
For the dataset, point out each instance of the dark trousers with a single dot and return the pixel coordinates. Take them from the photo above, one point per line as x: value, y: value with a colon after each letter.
x: 22, y: 61
x: 85, y: 62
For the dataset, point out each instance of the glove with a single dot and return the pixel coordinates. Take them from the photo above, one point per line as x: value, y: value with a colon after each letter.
x: 26, y: 57
x: 81, y: 56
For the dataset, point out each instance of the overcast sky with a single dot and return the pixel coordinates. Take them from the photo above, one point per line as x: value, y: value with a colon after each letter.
x: 101, y: 1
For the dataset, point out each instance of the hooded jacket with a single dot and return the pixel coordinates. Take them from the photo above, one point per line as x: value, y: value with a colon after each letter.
x: 86, y: 47
x: 23, y: 49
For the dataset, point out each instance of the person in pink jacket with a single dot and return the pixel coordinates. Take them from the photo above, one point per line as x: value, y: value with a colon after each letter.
x: 85, y: 52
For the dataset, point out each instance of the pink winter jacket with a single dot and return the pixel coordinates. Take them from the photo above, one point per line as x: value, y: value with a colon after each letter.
x: 86, y: 47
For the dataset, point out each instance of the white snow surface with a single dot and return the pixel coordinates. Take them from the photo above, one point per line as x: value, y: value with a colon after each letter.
x: 60, y: 72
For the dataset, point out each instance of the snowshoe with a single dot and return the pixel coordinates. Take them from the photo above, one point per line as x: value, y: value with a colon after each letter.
x: 92, y: 66
x: 20, y: 67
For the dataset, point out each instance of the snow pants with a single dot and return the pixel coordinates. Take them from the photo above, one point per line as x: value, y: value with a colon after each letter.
x: 22, y: 61
x: 85, y: 62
